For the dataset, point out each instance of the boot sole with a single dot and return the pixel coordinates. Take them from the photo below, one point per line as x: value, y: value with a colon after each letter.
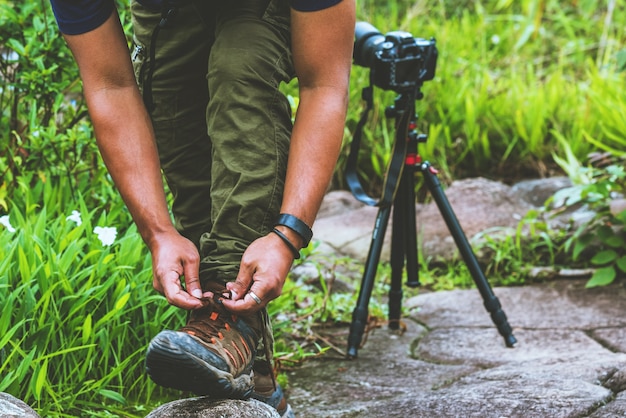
x: 176, y: 360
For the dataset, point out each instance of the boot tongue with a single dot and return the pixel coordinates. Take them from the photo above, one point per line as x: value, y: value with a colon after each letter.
x: 216, y: 287
x: 219, y: 292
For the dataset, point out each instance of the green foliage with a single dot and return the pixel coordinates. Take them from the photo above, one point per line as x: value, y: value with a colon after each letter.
x: 78, y: 315
x: 42, y: 114
x: 512, y: 77
x: 510, y: 255
x: 600, y: 242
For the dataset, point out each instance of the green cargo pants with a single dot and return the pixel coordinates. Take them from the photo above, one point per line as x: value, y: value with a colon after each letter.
x: 222, y: 126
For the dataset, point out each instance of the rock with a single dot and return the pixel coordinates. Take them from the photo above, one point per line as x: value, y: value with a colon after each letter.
x: 617, y: 206
x: 345, y: 227
x: 11, y: 407
x: 479, y: 205
x: 204, y: 407
x: 483, y: 208
x: 538, y: 191
x: 338, y: 202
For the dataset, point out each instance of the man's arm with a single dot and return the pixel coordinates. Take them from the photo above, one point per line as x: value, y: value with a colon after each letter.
x: 322, y: 43
x: 322, y: 50
x: 126, y: 141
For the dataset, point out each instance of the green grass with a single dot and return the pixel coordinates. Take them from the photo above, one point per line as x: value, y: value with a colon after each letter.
x: 78, y: 314
x: 512, y: 77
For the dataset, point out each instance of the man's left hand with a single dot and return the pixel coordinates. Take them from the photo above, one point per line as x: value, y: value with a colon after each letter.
x: 262, y: 274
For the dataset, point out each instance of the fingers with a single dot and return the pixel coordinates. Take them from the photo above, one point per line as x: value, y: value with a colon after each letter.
x: 249, y: 302
x: 173, y: 258
x: 238, y: 288
x: 240, y: 300
x: 169, y: 285
x: 262, y: 273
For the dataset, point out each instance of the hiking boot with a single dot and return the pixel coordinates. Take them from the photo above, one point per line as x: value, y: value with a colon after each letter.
x: 212, y: 355
x: 266, y: 392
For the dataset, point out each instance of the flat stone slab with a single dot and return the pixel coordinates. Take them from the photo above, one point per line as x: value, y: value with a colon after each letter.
x: 451, y: 361
x: 553, y: 305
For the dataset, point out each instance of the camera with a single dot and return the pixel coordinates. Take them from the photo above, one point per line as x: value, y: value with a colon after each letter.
x: 397, y: 60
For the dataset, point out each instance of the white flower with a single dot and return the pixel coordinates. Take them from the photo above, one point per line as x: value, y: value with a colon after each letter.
x: 495, y: 39
x: 106, y: 234
x: 4, y: 220
x: 75, y: 217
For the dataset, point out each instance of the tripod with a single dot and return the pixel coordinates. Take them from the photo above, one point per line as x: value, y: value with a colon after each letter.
x: 400, y: 195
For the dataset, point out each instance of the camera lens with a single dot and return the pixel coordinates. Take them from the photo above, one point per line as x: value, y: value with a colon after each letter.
x: 367, y: 40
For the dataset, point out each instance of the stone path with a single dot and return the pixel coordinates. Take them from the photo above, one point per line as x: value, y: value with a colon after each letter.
x: 569, y: 361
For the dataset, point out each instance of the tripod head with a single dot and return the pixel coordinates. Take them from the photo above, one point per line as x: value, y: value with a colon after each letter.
x: 403, y: 111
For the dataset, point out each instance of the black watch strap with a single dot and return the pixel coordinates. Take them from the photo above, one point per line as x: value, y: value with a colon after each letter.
x: 296, y: 225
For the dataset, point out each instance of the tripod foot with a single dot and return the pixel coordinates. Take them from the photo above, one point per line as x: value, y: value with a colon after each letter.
x: 510, y: 340
x: 352, y: 353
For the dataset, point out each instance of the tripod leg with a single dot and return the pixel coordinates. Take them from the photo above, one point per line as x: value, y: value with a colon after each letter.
x: 403, y: 244
x: 398, y: 249
x: 491, y: 302
x: 410, y: 238
x: 360, y: 313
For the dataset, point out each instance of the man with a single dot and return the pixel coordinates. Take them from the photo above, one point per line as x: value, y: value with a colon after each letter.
x: 246, y: 184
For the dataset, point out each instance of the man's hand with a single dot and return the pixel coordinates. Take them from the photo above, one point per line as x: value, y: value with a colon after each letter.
x: 173, y: 257
x: 264, y: 268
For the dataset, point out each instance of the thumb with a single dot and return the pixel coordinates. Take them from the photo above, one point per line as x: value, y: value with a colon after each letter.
x: 240, y: 286
x: 191, y: 270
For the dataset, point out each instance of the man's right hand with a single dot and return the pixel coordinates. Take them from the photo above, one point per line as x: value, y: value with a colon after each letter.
x: 173, y: 257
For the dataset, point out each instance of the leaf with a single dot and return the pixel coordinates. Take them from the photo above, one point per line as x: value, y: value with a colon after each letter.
x: 604, y: 257
x: 87, y: 327
x: 42, y: 376
x: 615, y: 241
x: 24, y: 265
x: 621, y: 263
x: 7, y: 381
x: 604, y: 232
x: 580, y: 245
x: 122, y: 301
x: 6, y: 337
x: 111, y: 394
x: 602, y: 277
x: 16, y: 46
x: 108, y: 258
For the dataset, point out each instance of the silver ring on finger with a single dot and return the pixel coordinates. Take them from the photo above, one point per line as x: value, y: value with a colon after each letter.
x: 255, y: 297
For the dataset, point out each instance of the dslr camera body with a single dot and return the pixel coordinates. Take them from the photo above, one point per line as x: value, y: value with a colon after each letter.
x: 397, y: 60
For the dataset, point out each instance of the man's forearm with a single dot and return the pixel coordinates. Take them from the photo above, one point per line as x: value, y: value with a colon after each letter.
x: 323, y: 70
x: 125, y: 140
x: 316, y: 142
x: 123, y: 128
